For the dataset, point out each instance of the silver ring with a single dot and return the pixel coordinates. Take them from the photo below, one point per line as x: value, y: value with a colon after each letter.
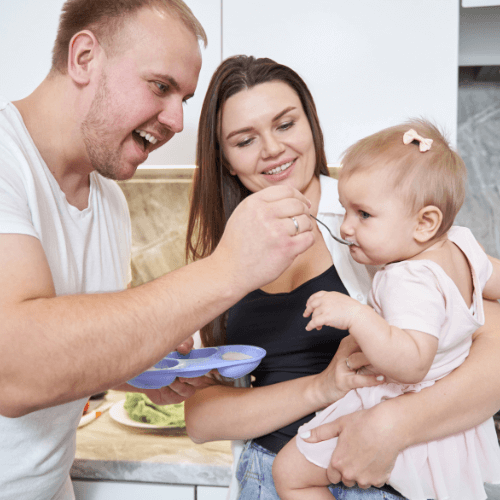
x: 347, y: 363
x: 294, y: 220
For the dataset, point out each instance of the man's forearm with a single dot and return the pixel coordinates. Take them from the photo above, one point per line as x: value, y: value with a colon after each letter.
x: 59, y: 349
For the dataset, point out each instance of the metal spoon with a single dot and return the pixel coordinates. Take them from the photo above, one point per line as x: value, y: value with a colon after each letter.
x: 336, y: 238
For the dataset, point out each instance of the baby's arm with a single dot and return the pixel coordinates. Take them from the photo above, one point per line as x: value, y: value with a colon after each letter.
x: 403, y: 355
x: 492, y: 288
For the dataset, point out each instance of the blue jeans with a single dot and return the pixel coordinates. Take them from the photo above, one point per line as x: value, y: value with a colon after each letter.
x: 254, y: 474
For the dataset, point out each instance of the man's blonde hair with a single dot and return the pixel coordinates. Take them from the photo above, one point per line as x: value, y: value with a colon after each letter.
x: 106, y: 17
x: 436, y: 177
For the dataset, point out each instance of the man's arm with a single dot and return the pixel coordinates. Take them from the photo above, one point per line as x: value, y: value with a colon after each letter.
x: 370, y: 440
x: 57, y: 349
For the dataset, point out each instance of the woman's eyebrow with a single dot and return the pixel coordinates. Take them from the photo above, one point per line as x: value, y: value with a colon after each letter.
x: 240, y: 131
x: 249, y: 129
x: 284, y: 112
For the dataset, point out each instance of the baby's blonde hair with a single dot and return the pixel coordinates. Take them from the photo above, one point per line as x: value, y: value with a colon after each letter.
x: 436, y: 177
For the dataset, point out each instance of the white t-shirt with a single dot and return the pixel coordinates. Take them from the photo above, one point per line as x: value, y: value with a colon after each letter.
x: 88, y: 251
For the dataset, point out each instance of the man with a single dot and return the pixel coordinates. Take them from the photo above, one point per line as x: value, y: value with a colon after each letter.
x: 121, y: 73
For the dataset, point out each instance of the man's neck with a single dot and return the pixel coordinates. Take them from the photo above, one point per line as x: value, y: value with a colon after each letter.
x: 51, y: 119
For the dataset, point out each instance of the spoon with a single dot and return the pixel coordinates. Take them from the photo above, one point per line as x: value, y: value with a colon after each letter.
x: 336, y: 238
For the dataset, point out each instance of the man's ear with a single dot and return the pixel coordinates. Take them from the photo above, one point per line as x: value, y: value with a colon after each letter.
x: 429, y: 220
x: 83, y: 51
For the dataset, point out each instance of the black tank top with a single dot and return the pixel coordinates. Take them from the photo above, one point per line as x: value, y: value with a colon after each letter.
x: 275, y: 323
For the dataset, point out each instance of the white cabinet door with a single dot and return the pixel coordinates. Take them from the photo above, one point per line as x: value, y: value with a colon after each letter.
x: 368, y: 64
x: 181, y: 150
x: 106, y: 490
x: 28, y: 29
x: 211, y: 493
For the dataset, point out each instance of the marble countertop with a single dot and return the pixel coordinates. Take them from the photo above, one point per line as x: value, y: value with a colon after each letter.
x: 109, y: 450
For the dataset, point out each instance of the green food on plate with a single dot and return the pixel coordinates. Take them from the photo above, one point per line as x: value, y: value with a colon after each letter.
x: 141, y: 409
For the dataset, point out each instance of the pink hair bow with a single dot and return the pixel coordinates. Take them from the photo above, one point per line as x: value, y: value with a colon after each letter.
x: 411, y: 135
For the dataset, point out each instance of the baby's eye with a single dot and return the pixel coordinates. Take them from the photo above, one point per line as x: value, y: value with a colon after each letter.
x: 363, y: 214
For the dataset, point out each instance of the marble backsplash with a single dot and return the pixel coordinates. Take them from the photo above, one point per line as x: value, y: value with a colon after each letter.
x: 159, y: 211
x: 478, y: 142
x: 159, y: 206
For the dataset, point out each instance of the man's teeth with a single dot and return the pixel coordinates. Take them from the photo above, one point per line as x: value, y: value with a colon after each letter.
x: 279, y: 169
x: 148, y: 137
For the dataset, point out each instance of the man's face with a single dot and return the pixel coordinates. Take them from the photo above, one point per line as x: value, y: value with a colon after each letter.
x: 137, y: 105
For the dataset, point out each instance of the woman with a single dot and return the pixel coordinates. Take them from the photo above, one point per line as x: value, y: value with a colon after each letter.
x: 259, y: 128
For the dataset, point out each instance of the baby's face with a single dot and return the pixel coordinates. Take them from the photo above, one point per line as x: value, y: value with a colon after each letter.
x: 376, y: 219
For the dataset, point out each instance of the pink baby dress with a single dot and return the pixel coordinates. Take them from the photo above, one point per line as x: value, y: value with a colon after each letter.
x: 419, y: 295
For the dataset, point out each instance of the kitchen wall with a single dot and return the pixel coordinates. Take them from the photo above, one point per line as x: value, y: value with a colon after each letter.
x: 478, y: 142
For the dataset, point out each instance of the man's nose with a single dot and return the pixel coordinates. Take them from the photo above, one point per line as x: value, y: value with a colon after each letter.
x: 172, y: 116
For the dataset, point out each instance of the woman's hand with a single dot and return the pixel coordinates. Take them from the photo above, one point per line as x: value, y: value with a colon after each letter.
x: 337, y: 379
x: 367, y: 447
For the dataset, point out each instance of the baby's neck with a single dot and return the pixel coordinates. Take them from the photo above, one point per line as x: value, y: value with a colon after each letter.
x: 431, y: 246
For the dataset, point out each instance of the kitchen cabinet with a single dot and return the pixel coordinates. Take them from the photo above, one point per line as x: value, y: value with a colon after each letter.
x: 368, y: 64
x: 27, y: 33
x: 480, y: 35
x: 104, y: 490
x: 211, y: 493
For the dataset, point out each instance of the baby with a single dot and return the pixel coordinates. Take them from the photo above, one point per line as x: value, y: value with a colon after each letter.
x: 401, y: 189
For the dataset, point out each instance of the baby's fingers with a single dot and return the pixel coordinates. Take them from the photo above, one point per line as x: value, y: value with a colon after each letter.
x: 316, y: 322
x: 359, y: 380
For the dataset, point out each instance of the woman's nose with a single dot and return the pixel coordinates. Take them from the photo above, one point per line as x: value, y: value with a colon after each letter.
x: 271, y: 146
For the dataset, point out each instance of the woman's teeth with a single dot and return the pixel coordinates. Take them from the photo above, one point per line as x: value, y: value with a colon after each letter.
x: 153, y: 140
x: 279, y: 169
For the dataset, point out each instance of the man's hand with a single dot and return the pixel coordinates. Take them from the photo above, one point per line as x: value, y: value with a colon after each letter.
x: 178, y: 391
x: 261, y: 240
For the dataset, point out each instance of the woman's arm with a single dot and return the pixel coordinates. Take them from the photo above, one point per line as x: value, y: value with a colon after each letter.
x: 370, y: 440
x: 223, y: 412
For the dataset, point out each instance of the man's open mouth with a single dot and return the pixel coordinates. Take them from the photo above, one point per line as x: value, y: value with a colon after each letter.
x: 144, y: 139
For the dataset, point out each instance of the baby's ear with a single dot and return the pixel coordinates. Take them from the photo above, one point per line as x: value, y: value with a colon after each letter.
x: 429, y: 220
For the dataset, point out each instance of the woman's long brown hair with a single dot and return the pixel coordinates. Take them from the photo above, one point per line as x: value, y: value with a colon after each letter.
x: 215, y: 192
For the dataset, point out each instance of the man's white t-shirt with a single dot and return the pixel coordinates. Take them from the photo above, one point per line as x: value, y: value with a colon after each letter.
x: 88, y: 251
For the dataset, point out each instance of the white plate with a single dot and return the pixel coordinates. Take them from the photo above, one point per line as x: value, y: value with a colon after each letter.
x: 118, y: 413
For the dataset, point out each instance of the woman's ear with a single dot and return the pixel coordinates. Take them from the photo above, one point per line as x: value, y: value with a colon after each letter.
x: 429, y: 220
x: 83, y: 49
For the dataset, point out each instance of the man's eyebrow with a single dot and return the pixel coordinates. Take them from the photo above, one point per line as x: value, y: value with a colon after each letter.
x: 167, y: 78
x: 172, y: 81
x: 249, y: 129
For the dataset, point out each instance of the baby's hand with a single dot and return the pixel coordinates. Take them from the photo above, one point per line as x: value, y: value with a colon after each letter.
x: 332, y: 309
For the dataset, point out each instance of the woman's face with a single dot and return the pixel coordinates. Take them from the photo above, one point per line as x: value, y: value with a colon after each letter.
x: 267, y: 139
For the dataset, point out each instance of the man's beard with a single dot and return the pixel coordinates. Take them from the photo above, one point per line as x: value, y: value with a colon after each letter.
x: 94, y: 131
